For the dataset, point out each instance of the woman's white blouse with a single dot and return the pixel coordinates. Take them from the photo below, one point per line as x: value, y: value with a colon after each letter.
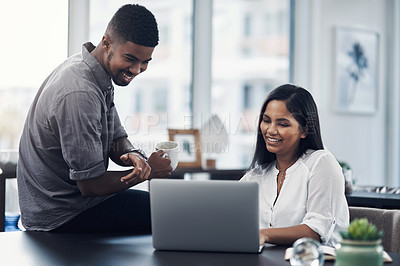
x: 312, y: 194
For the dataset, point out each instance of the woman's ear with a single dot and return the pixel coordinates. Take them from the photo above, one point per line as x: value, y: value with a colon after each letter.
x: 304, y: 132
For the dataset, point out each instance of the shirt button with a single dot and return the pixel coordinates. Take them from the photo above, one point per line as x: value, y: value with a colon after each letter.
x: 109, y: 87
x: 270, y: 224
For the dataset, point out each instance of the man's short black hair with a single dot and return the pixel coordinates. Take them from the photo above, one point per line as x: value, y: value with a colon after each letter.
x: 134, y: 23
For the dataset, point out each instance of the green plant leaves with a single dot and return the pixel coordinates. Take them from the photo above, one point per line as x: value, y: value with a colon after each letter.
x: 361, y: 229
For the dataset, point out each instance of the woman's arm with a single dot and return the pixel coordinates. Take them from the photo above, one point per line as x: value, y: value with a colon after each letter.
x: 287, y: 235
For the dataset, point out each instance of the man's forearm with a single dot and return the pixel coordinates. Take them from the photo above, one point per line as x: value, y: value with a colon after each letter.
x: 107, y: 184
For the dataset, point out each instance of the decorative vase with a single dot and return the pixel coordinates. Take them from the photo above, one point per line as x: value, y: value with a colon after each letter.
x: 359, y: 252
x: 11, y: 222
x: 348, y: 180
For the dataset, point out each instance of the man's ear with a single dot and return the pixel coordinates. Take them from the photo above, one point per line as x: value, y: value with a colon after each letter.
x: 106, y: 42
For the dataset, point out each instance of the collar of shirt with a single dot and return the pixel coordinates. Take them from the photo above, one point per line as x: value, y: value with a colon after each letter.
x: 288, y: 171
x: 99, y: 73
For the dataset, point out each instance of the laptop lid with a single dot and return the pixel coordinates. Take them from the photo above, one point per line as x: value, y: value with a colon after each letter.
x: 206, y: 215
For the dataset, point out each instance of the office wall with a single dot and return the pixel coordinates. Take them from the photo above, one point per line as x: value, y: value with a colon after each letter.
x: 359, y: 139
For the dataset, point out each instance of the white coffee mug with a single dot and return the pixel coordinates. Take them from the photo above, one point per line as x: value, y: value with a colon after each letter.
x: 171, y: 148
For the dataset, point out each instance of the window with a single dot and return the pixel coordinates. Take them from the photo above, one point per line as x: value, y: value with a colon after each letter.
x: 36, y: 40
x: 159, y: 98
x: 250, y: 57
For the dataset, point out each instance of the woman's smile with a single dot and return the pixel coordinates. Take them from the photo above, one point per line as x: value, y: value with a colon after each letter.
x: 272, y: 140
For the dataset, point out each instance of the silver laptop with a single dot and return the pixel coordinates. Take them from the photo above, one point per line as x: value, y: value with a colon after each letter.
x: 206, y: 215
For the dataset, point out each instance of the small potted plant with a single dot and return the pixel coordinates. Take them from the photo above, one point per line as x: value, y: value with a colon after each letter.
x: 360, y: 245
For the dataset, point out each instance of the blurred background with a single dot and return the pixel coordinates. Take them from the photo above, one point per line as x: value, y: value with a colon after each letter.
x: 219, y: 58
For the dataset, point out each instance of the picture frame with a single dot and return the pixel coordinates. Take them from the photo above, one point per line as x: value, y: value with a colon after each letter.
x: 190, y: 149
x: 356, y: 70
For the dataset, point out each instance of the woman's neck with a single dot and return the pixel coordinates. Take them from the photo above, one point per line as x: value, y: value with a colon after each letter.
x: 282, y: 164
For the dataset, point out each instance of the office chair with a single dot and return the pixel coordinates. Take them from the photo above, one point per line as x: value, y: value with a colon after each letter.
x: 386, y: 220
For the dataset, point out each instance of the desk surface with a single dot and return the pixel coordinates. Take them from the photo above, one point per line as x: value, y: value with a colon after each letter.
x: 38, y: 248
x: 375, y: 200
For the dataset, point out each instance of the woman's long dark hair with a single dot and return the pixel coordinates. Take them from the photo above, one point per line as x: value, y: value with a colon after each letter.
x: 301, y: 105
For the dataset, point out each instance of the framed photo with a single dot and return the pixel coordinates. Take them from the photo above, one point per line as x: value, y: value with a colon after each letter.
x: 356, y: 70
x: 189, y: 142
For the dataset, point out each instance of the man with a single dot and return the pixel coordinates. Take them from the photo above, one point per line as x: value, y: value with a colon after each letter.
x: 73, y: 128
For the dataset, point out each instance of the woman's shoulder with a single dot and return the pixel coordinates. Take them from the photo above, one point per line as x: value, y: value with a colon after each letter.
x: 311, y: 157
x: 257, y: 173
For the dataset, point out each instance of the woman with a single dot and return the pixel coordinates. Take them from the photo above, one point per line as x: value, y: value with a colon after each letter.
x: 301, y: 186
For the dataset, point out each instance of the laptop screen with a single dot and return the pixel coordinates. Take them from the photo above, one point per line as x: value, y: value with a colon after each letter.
x: 207, y: 215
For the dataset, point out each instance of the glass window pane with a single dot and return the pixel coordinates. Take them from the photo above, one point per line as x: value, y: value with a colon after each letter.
x: 250, y: 57
x: 159, y: 98
x: 35, y: 42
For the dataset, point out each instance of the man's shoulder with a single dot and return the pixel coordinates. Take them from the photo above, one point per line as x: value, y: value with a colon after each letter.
x: 70, y: 80
x: 75, y: 68
x: 73, y: 75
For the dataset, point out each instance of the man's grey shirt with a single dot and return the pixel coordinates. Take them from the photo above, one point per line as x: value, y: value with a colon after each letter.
x: 67, y: 136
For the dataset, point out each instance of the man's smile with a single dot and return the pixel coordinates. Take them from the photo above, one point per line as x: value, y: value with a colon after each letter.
x: 127, y: 77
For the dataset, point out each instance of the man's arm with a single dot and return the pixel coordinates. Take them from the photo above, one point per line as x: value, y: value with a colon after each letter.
x: 115, y: 181
x: 122, y: 151
x: 120, y: 147
x: 107, y: 184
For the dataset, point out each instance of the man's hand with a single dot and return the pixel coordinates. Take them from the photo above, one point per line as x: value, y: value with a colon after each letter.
x: 160, y: 164
x: 141, y: 169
